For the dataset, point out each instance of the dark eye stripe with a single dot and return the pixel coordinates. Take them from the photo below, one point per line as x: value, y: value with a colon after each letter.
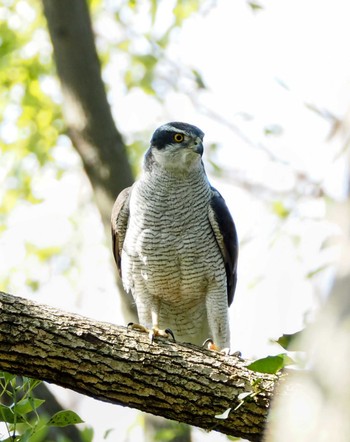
x: 163, y: 138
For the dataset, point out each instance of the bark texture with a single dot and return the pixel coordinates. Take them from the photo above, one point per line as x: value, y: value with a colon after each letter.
x: 181, y: 382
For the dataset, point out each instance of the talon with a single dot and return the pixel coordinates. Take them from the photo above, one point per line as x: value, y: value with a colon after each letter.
x: 170, y: 332
x: 210, y: 345
x: 153, y: 332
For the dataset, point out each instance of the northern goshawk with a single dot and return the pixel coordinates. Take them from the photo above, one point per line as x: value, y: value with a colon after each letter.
x: 175, y: 243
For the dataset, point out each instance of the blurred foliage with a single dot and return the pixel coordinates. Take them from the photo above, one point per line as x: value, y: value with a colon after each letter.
x: 19, y: 412
x: 35, y: 152
x: 30, y: 114
x: 255, y: 6
x: 30, y: 119
x: 280, y: 209
x: 31, y: 122
x: 143, y: 39
x: 172, y: 432
x: 293, y: 341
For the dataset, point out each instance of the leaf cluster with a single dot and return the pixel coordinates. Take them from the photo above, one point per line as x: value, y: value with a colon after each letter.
x: 30, y: 116
x: 275, y: 364
x: 19, y: 410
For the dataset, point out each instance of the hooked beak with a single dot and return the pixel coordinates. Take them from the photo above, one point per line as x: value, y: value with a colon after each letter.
x: 198, y: 147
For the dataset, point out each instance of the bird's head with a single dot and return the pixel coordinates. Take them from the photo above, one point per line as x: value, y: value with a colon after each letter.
x: 176, y: 147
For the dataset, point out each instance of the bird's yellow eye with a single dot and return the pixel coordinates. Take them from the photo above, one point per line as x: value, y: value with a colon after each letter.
x: 178, y: 138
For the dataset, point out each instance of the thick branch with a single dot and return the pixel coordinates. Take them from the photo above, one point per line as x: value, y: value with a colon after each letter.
x: 178, y: 381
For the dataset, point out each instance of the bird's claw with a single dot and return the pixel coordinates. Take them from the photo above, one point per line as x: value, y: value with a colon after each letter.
x: 137, y: 327
x: 153, y: 332
x: 210, y: 345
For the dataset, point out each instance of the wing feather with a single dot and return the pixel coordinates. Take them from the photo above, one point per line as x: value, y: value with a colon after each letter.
x: 226, y: 236
x: 119, y: 224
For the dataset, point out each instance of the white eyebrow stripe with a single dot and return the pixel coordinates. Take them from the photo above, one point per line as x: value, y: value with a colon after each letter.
x: 173, y: 129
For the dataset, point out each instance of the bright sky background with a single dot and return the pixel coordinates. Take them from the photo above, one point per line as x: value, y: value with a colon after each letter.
x: 244, y: 58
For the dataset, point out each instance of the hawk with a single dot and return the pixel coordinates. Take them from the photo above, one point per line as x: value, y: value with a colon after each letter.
x: 175, y: 243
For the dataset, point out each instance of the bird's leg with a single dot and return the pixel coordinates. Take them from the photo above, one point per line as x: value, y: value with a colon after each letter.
x: 154, y: 331
x: 217, y: 311
x: 144, y: 318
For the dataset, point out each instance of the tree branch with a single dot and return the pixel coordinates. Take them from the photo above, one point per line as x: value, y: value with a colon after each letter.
x: 110, y: 363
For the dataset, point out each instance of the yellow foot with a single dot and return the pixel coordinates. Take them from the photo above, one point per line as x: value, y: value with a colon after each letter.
x: 153, y: 332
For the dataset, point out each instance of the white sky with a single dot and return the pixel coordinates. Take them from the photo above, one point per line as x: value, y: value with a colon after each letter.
x: 240, y: 55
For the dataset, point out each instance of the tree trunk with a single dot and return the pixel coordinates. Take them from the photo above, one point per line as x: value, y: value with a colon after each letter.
x: 181, y: 382
x: 87, y: 112
x: 86, y: 109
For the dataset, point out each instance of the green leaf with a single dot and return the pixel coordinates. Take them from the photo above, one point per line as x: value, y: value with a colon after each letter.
x: 7, y: 415
x: 7, y: 376
x: 316, y: 271
x: 289, y: 341
x: 38, y: 433
x: 198, y: 79
x: 255, y: 6
x: 25, y: 437
x: 271, y: 364
x: 184, y: 9
x: 87, y: 434
x: 64, y: 418
x: 27, y: 405
x: 280, y: 209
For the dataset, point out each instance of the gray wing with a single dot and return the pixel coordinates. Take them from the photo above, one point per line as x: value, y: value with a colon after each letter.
x: 119, y: 224
x: 226, y: 236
